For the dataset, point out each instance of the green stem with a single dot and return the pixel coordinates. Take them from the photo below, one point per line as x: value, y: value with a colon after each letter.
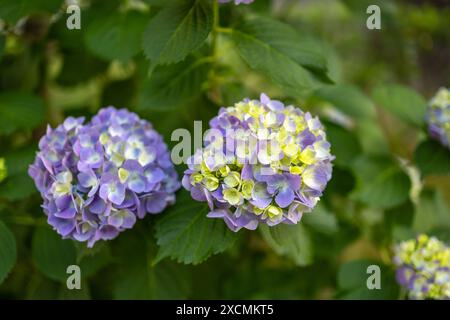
x: 224, y: 30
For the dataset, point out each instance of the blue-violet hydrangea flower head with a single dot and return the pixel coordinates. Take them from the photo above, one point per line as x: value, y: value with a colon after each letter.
x: 97, y: 179
x: 438, y: 117
x: 423, y: 268
x: 265, y: 163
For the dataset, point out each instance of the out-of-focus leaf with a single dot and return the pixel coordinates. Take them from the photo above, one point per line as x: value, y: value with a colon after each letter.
x: 12, y: 10
x: 269, y: 46
x: 371, y: 137
x: 349, y: 99
x: 292, y: 241
x: 79, y: 66
x: 185, y: 234
x: 431, y: 212
x: 90, y: 263
x: 8, y: 251
x: 2, y: 45
x: 76, y: 294
x: 138, y: 279
x: 170, y: 86
x: 353, y: 274
x: 52, y: 254
x: 344, y: 145
x: 432, y: 158
x: 321, y: 220
x: 116, y: 36
x: 353, y: 277
x: 402, y: 101
x: 17, y: 187
x: 20, y: 110
x: 381, y: 183
x: 177, y: 30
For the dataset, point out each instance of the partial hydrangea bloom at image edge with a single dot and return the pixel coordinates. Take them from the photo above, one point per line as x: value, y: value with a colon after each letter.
x: 438, y: 117
x: 423, y: 267
x: 97, y: 179
x: 254, y: 184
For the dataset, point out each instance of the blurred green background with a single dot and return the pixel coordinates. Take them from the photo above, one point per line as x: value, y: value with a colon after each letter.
x: 389, y: 182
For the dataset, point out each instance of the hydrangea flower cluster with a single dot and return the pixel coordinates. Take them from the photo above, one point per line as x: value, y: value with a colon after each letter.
x: 3, y: 171
x: 424, y: 267
x: 438, y: 117
x: 273, y: 166
x: 97, y: 179
x: 236, y: 2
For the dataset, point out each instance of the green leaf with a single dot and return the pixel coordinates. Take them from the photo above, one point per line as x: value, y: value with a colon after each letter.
x: 348, y: 99
x: 12, y: 10
x: 403, y: 102
x: 352, y: 281
x: 2, y: 45
x: 292, y: 241
x: 353, y: 274
x: 138, y: 279
x: 52, y: 254
x: 116, y: 36
x: 18, y: 184
x: 177, y: 30
x: 91, y: 262
x: 381, y: 183
x: 79, y: 66
x: 344, y: 145
x: 321, y: 220
x: 272, y: 48
x: 8, y: 251
x: 185, y: 234
x: 20, y: 110
x: 432, y: 158
x: 17, y: 187
x: 431, y: 212
x: 171, y: 86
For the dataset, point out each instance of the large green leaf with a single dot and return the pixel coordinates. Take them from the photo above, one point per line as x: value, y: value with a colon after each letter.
x: 116, y: 36
x: 177, y: 30
x: 381, y: 183
x: 52, y: 254
x: 138, y: 279
x: 8, y: 251
x: 321, y: 220
x: 431, y: 212
x: 344, y: 145
x: 185, y: 234
x: 402, y: 101
x: 20, y: 110
x: 432, y: 158
x: 349, y: 99
x: 292, y: 241
x: 272, y: 47
x: 17, y: 187
x: 170, y: 86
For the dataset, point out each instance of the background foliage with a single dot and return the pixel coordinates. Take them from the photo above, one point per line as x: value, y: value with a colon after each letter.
x: 174, y: 62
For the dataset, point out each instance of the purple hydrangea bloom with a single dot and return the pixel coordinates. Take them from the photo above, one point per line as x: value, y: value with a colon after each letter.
x: 97, y: 178
x: 262, y: 162
x: 423, y: 267
x: 236, y: 2
x: 438, y: 117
